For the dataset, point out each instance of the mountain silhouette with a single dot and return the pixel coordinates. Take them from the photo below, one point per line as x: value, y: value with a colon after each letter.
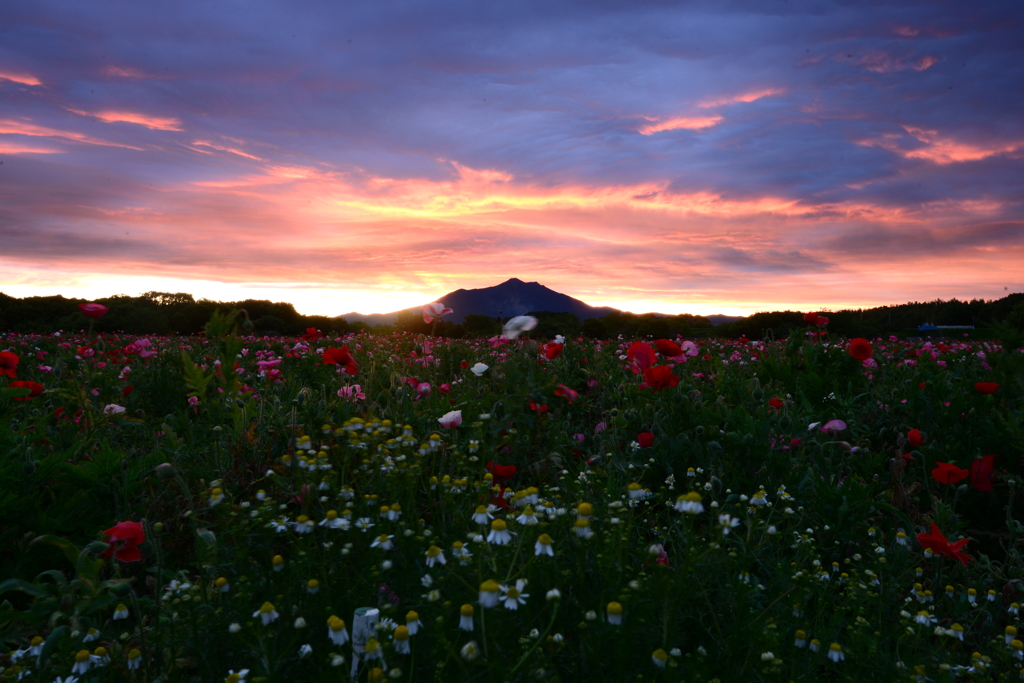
x: 515, y: 297
x: 512, y: 297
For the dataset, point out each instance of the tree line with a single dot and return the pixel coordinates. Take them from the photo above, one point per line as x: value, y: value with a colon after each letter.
x: 180, y: 313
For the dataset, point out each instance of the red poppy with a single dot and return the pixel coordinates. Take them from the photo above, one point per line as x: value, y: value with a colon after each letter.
x: 566, y: 392
x: 660, y: 377
x: 981, y: 472
x: 811, y: 318
x: 9, y: 364
x: 501, y: 473
x: 945, y: 473
x: 640, y: 356
x: 312, y: 334
x: 341, y: 357
x: 667, y: 347
x: 938, y: 544
x: 127, y: 390
x: 33, y: 387
x: 552, y: 350
x: 986, y: 387
x: 464, y: 364
x: 821, y: 321
x: 93, y: 310
x: 860, y: 349
x: 776, y: 403
x: 645, y: 439
x: 538, y: 407
x: 125, y: 538
x: 915, y: 438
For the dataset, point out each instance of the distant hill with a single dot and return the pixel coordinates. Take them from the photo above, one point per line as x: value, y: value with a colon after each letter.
x: 510, y: 298
x: 717, y: 320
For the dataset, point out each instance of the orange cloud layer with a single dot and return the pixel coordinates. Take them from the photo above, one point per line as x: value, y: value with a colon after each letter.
x: 323, y: 238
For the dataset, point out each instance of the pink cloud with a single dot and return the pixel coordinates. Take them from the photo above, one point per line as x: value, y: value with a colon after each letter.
x: 220, y: 148
x: 939, y: 149
x: 24, y: 79
x: 122, y: 72
x: 882, y: 62
x: 11, y: 127
x: 16, y: 148
x: 744, y: 97
x: 152, y: 122
x: 681, y: 122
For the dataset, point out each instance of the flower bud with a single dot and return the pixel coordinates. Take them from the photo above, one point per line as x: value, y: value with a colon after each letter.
x: 165, y: 470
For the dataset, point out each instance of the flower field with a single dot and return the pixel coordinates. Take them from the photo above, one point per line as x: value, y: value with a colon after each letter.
x: 399, y: 507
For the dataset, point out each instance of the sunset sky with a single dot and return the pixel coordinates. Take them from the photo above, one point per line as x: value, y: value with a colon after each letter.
x: 702, y: 157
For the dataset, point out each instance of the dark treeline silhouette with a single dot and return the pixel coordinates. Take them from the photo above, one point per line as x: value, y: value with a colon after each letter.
x: 166, y: 313
x: 157, y: 313
x: 903, y: 319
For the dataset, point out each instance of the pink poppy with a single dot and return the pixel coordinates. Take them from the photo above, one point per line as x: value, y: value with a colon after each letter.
x: 352, y: 393
x: 93, y: 310
x: 833, y: 426
x: 436, y: 311
x: 451, y: 420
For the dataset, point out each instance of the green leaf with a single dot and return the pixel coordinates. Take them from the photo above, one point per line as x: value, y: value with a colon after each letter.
x: 58, y: 576
x: 23, y: 586
x: 70, y: 550
x: 53, y: 640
